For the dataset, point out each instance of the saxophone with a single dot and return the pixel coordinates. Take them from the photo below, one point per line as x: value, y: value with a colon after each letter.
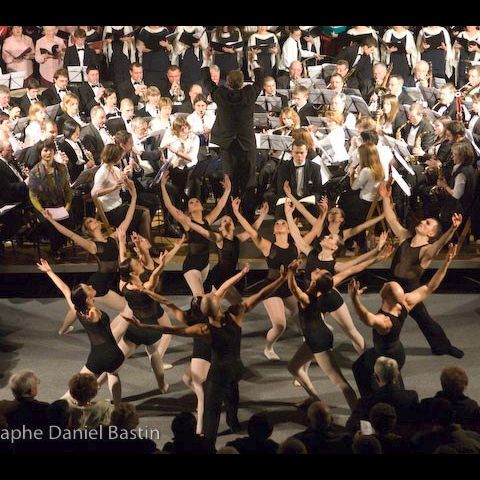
x: 418, y: 144
x: 398, y: 134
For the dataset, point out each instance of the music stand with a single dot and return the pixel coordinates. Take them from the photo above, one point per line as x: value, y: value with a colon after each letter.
x: 328, y: 69
x: 415, y: 93
x: 163, y: 169
x: 260, y: 120
x: 86, y: 176
x: 17, y: 79
x: 52, y: 111
x: 358, y: 105
x: 5, y: 80
x: 325, y: 173
x: 270, y: 104
x: 314, y: 71
x: 400, y: 151
x: 281, y: 143
x: 429, y: 95
x: 274, y: 122
x: 284, y: 91
x: 319, y: 122
x: 76, y: 74
x: 21, y: 125
x: 401, y: 182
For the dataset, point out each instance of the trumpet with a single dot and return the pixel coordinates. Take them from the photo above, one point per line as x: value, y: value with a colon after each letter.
x: 348, y: 75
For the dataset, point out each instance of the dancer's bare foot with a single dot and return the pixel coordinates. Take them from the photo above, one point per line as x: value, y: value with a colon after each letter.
x: 167, y: 366
x: 68, y: 330
x: 296, y: 383
x: 165, y: 388
x: 270, y: 354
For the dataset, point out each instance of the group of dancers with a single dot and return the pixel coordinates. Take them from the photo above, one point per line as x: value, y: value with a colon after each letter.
x: 301, y: 283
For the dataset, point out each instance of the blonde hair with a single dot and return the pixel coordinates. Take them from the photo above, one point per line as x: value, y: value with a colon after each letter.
x: 290, y: 113
x: 393, y: 101
x: 369, y: 158
x: 178, y: 124
x: 34, y: 109
x: 68, y: 101
x: 335, y: 117
x: 165, y: 102
x: 153, y: 91
x: 305, y: 135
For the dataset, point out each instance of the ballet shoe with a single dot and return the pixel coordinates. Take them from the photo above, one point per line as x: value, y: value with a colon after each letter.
x: 167, y: 366
x: 271, y: 355
x: 68, y: 330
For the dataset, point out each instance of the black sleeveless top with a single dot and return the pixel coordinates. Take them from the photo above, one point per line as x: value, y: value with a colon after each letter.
x: 225, y: 344
x: 278, y: 257
x: 384, y: 343
x: 228, y: 255
x: 99, y: 333
x: 312, y: 313
x: 406, y: 262
x: 197, y: 244
x: 143, y: 306
x: 313, y: 263
x: 107, y: 255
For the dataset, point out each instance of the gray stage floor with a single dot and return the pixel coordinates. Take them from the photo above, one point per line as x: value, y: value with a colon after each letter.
x: 28, y: 339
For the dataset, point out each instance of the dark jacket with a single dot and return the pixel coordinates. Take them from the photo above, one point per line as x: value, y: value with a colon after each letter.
x: 12, y: 189
x: 28, y: 412
x: 308, y: 110
x: 464, y: 441
x: 73, y: 169
x: 405, y: 403
x: 116, y: 124
x: 333, y: 441
x: 249, y: 445
x: 92, y: 141
x: 126, y: 90
x: 87, y: 98
x: 71, y: 58
x: 50, y: 96
x: 425, y: 129
x: 235, y: 113
x: 25, y: 104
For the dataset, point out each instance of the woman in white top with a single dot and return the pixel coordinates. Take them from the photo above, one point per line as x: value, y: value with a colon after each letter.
x: 13, y: 48
x: 201, y: 120
x: 338, y: 104
x: 182, y: 153
x: 366, y: 178
x: 265, y: 45
x: 334, y: 141
x: 108, y: 182
x: 37, y: 113
x: 163, y: 120
x: 363, y: 30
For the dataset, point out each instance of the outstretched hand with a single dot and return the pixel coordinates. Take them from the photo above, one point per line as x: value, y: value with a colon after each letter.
x: 456, y: 220
x: 384, y: 190
x: 46, y: 213
x: 452, y: 252
x: 386, y: 252
x: 382, y: 240
x: 293, y: 267
x: 264, y: 209
x: 227, y: 184
x: 246, y: 268
x: 354, y: 288
x: 165, y: 178
x: 323, y: 205
x: 289, y: 207
x: 286, y: 188
x: 181, y: 241
x: 236, y: 205
x: 44, y: 266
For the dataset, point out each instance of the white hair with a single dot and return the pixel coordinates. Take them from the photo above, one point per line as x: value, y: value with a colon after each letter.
x: 387, y: 370
x: 22, y: 383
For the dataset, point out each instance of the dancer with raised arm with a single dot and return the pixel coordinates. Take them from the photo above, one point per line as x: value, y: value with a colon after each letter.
x: 103, y: 245
x: 196, y: 263
x: 387, y: 324
x: 278, y: 254
x: 414, y: 254
x: 224, y: 331
x: 105, y: 355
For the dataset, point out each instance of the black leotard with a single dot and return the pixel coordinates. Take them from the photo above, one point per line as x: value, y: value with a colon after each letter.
x: 332, y: 300
x: 106, y: 277
x: 197, y: 257
x: 389, y: 345
x: 147, y: 311
x: 276, y: 258
x: 317, y: 335
x: 225, y: 343
x: 105, y: 356
x: 227, y: 261
x: 406, y: 267
x: 201, y: 347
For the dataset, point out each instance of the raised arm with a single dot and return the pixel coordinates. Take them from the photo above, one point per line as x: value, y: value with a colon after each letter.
x: 434, y: 249
x: 244, y: 236
x: 353, y: 270
x: 301, y: 296
x: 340, y: 266
x: 152, y: 282
x: 251, y: 302
x: 122, y: 244
x: 232, y: 281
x: 131, y: 209
x: 311, y: 219
x: 400, y: 232
x: 173, y: 251
x: 294, y: 231
x: 44, y: 266
x: 261, y: 243
x: 319, y: 222
x: 351, y: 232
x: 421, y: 293
x: 198, y: 330
x: 209, y: 235
x: 367, y: 317
x: 168, y: 202
x: 178, y: 313
x: 87, y: 245
x: 215, y: 213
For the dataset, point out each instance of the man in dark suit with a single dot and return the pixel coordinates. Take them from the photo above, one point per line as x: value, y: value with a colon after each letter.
x: 187, y: 106
x: 31, y: 96
x: 123, y: 122
x: 395, y: 87
x: 12, y: 185
x: 172, y: 86
x: 302, y: 175
x: 54, y: 94
x: 447, y: 103
x: 134, y: 88
x: 79, y: 54
x: 417, y: 127
x: 322, y: 437
x: 91, y: 91
x: 95, y: 136
x: 390, y: 391
x: 289, y: 82
x: 302, y: 106
x: 360, y: 57
x: 270, y: 91
x: 25, y: 410
x: 234, y: 131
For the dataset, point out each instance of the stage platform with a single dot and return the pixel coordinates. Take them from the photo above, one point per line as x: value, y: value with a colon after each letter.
x: 28, y: 339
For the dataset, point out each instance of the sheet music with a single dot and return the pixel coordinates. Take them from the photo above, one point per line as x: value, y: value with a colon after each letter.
x: 59, y: 213
x: 401, y: 182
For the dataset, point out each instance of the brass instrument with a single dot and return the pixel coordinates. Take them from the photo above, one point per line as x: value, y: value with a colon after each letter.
x: 382, y: 89
x: 466, y: 90
x: 430, y: 75
x: 398, y: 134
x: 418, y: 144
x: 348, y: 75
